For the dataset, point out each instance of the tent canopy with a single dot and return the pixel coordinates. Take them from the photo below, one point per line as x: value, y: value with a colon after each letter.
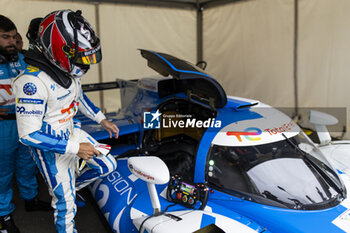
x: 198, y: 4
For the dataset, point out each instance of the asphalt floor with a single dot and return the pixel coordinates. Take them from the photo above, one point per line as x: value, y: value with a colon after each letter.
x: 88, y: 219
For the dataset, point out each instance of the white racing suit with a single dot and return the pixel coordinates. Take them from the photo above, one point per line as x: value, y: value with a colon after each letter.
x: 45, y: 112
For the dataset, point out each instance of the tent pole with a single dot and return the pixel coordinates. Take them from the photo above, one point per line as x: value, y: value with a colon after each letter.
x: 295, y: 69
x: 199, y: 32
x: 100, y: 75
x: 216, y: 3
x: 156, y: 3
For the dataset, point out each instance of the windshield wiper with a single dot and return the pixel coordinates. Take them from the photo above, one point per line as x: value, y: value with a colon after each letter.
x: 258, y: 198
x: 318, y: 168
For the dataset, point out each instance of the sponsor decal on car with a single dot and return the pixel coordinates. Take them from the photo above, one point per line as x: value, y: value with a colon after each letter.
x: 283, y: 128
x: 253, y: 133
x: 144, y: 175
x: 247, y: 133
x: 141, y: 173
x: 343, y: 221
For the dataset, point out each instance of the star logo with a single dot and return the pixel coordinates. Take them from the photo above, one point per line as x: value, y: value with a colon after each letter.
x: 155, y: 115
x: 151, y: 120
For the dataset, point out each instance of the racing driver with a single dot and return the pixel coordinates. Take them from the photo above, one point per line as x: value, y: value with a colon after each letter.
x: 48, y: 95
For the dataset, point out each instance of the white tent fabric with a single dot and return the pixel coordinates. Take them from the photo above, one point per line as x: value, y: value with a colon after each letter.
x: 22, y: 11
x: 324, y: 56
x: 123, y: 29
x: 248, y: 45
x: 324, y: 53
x: 249, y: 49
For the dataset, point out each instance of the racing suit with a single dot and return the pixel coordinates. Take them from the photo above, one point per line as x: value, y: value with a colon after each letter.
x: 45, y: 112
x: 14, y: 156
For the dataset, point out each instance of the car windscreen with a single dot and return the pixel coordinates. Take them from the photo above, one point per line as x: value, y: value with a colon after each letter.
x: 290, y: 173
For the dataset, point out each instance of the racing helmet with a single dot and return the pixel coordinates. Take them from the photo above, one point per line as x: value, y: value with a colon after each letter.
x: 69, y: 42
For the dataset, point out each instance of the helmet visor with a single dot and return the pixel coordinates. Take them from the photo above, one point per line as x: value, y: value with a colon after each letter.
x: 87, y: 57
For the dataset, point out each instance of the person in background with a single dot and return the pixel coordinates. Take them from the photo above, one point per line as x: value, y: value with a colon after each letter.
x: 15, y: 158
x: 19, y: 43
x: 48, y: 95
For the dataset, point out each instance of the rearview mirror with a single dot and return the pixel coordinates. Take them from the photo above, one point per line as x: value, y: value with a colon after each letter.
x: 320, y: 120
x: 152, y: 170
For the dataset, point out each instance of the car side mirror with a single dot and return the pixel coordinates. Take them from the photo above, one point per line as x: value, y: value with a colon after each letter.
x: 153, y: 171
x: 321, y: 120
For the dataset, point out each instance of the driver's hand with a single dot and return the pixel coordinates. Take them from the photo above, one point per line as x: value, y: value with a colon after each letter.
x: 110, y: 127
x: 87, y: 151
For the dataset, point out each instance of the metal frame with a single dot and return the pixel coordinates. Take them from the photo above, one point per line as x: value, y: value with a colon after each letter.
x: 199, y: 32
x: 100, y: 72
x: 183, y: 4
x: 295, y: 57
x: 157, y: 3
x: 194, y: 4
x: 198, y: 5
x: 216, y: 3
x: 100, y: 86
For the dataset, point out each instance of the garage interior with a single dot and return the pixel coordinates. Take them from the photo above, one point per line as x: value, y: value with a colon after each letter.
x: 286, y: 53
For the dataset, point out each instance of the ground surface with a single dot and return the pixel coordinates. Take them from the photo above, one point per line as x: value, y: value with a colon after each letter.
x: 88, y: 219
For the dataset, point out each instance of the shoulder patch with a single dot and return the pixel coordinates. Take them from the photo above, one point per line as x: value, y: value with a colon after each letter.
x: 29, y: 89
x: 32, y: 70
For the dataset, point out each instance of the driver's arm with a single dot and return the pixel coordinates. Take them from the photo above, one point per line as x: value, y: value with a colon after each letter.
x: 94, y: 113
x: 89, y: 109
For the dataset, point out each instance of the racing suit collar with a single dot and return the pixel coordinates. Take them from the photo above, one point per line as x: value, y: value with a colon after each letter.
x: 35, y: 58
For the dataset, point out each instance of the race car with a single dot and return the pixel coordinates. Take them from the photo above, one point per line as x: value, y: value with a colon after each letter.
x: 192, y: 159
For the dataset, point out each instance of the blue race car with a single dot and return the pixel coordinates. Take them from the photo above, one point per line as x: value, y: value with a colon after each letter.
x: 192, y: 159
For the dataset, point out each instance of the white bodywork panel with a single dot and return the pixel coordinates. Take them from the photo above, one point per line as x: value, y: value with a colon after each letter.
x: 267, y: 129
x: 338, y: 154
x: 190, y: 222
